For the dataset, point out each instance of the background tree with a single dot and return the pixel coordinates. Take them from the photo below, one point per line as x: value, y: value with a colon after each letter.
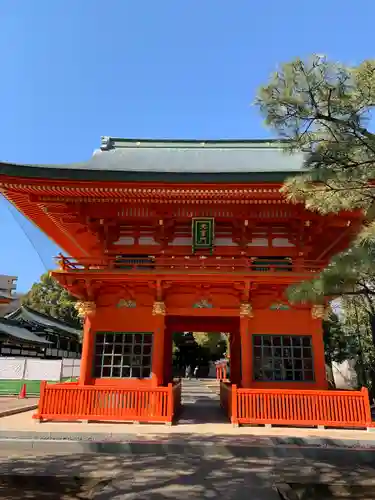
x: 214, y: 343
x: 346, y: 339
x: 323, y: 109
x: 197, y: 349
x: 48, y: 297
x: 351, y: 276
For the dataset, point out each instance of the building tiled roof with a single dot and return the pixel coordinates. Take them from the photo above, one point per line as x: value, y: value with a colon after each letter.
x: 196, y: 161
x: 23, y: 334
x: 27, y: 314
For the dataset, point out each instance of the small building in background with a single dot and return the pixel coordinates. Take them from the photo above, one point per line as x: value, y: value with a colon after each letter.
x: 9, y: 299
x: 26, y: 332
x: 8, y: 285
x: 16, y: 341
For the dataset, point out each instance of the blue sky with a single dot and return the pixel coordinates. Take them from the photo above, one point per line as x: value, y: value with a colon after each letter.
x: 73, y: 71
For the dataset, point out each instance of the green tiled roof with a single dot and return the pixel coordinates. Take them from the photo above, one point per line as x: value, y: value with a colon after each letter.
x: 29, y: 315
x: 174, y: 161
x: 19, y: 333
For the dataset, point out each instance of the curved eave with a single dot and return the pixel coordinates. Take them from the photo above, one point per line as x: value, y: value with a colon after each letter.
x: 45, y: 321
x: 35, y: 213
x: 46, y: 190
x: 21, y: 334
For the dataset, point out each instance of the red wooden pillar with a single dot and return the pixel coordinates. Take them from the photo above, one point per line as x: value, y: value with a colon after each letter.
x: 88, y: 344
x: 235, y: 358
x: 158, y: 312
x: 317, y: 314
x: 246, y: 354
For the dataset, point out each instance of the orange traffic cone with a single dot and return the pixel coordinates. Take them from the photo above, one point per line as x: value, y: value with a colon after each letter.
x: 22, y: 394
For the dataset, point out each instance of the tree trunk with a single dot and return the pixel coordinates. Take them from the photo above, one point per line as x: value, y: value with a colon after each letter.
x: 361, y: 374
x: 372, y: 368
x: 329, y: 370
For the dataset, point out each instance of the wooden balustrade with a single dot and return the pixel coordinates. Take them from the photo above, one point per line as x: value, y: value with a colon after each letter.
x: 188, y: 263
x: 73, y: 402
x: 221, y: 372
x: 296, y: 407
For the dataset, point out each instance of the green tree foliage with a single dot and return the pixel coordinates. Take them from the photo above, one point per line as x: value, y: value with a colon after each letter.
x: 48, y: 297
x: 214, y: 343
x: 349, y: 338
x: 323, y: 109
x: 349, y: 274
x: 335, y: 346
x: 185, y: 350
x: 197, y: 349
x: 333, y: 338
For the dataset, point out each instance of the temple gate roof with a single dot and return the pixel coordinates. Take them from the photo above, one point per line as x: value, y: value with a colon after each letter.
x: 174, y: 161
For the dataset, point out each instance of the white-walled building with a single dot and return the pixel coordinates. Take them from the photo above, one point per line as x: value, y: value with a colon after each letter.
x: 9, y: 299
x: 8, y: 285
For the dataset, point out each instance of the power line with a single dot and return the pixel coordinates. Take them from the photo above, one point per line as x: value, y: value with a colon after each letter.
x: 22, y: 222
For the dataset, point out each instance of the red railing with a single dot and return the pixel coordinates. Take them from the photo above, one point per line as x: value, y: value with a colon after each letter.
x: 73, y: 402
x: 221, y: 372
x: 189, y: 263
x: 295, y: 407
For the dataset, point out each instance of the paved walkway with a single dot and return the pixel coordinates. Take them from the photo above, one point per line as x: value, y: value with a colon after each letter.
x: 10, y: 406
x: 194, y: 459
x: 201, y: 404
x: 184, y: 472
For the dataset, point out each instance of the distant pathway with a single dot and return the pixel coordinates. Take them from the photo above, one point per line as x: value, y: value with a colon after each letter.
x: 201, y: 403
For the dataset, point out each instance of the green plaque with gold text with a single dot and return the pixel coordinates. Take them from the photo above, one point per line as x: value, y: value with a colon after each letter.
x: 203, y: 233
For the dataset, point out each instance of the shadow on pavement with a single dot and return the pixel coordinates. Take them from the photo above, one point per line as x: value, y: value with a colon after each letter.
x: 157, y: 472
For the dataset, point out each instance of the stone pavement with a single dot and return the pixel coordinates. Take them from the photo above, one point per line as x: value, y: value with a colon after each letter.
x: 196, y: 459
x: 201, y: 403
x: 11, y: 406
x: 182, y: 472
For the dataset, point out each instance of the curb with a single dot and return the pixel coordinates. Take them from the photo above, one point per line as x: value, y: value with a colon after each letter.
x: 14, y: 411
x: 32, y: 440
x: 57, y: 447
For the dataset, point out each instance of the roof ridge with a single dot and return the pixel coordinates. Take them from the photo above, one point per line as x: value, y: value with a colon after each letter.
x: 109, y: 142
